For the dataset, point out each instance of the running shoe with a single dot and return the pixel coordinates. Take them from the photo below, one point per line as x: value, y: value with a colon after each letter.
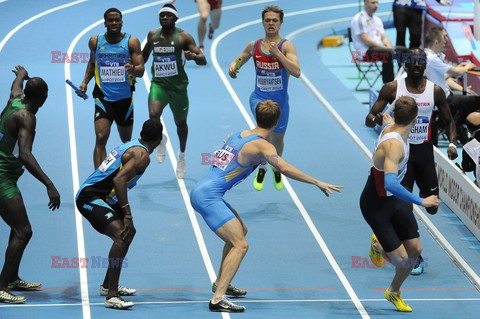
x: 21, y: 284
x: 277, y: 180
x: 397, y: 301
x: 117, y: 302
x: 232, y: 291
x: 181, y: 166
x: 122, y: 291
x: 259, y: 180
x: 7, y: 297
x: 225, y: 305
x: 161, y: 149
x: 375, y: 256
x: 419, y: 266
x: 210, y: 31
x: 202, y: 48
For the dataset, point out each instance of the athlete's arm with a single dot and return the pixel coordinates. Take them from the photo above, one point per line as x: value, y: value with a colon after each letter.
x: 26, y: 131
x: 147, y: 49
x: 289, y: 60
x: 17, y: 86
x: 244, y: 56
x: 386, y: 95
x: 270, y: 153
x: 446, y: 115
x: 191, y: 51
x: 90, y: 71
x: 137, y: 67
x: 393, y: 151
x: 134, y: 161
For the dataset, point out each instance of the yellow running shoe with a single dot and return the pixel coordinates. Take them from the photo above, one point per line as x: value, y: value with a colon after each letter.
x: 259, y: 180
x: 375, y: 256
x: 397, y: 301
x: 277, y: 180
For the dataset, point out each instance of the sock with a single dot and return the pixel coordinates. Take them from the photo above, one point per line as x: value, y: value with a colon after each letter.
x: 181, y: 154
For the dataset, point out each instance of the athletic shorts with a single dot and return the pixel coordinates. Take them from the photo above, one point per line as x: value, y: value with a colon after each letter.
x: 390, y: 218
x: 178, y: 100
x: 10, y: 171
x: 99, y: 213
x: 211, y: 205
x: 119, y: 111
x: 421, y: 169
x: 284, y: 108
x: 215, y: 4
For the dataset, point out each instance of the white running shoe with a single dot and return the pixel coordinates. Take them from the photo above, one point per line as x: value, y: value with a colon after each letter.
x: 117, y: 302
x: 161, y: 149
x: 122, y: 291
x: 181, y: 166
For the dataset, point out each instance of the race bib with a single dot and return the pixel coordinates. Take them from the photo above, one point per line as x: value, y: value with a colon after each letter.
x: 165, y: 66
x: 112, y: 71
x: 269, y: 82
x: 111, y: 158
x: 221, y: 158
x: 419, y: 132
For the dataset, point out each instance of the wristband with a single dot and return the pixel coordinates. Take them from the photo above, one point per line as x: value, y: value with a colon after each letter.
x: 452, y: 145
x: 128, y: 216
x: 122, y: 207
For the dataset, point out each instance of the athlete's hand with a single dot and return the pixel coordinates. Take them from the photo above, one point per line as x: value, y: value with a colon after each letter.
x: 452, y: 152
x: 189, y: 55
x: 233, y: 70
x: 128, y: 230
x: 21, y: 72
x: 54, y: 197
x: 387, y: 119
x: 83, y: 88
x: 430, y: 201
x: 328, y: 189
x: 130, y: 68
x: 273, y: 49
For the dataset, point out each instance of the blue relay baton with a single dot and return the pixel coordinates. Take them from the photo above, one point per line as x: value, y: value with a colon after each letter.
x: 77, y: 90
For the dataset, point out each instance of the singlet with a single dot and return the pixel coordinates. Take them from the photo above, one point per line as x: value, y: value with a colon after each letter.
x: 8, y: 143
x: 100, y: 183
x: 110, y: 75
x: 422, y: 131
x: 226, y: 171
x: 168, y: 61
x: 271, y: 80
x: 378, y: 174
x: 413, y: 4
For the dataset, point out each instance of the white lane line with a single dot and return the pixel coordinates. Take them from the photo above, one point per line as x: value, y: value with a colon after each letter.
x: 73, y: 155
x: 431, y: 228
x: 356, y: 301
x: 189, y: 302
x: 35, y: 17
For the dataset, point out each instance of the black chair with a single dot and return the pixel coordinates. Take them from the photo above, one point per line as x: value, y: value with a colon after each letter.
x: 364, y: 67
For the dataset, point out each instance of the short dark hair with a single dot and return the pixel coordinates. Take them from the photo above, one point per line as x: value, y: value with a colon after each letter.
x: 151, y: 130
x: 405, y: 111
x: 110, y: 11
x: 36, y: 88
x: 267, y: 114
x: 275, y: 9
x: 432, y: 35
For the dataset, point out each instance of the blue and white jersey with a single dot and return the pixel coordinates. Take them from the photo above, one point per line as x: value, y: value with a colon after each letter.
x: 110, y: 75
x: 100, y: 183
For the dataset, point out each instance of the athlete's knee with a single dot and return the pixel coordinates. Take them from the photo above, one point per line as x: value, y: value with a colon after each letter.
x: 24, y: 233
x: 242, y: 246
x: 101, y: 137
x: 203, y: 16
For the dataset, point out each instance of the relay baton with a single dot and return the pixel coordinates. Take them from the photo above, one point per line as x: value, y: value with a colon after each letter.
x: 390, y: 107
x: 238, y: 63
x: 77, y: 90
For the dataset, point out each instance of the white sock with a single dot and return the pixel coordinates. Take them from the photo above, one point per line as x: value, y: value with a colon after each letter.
x: 181, y: 154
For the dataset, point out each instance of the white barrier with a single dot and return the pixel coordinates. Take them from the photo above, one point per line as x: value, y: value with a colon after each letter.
x: 458, y: 192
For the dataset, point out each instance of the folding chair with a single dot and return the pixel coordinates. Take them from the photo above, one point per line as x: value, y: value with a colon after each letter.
x: 364, y: 67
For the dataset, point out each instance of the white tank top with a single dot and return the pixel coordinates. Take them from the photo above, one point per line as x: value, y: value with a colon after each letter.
x: 422, y: 131
x: 402, y: 166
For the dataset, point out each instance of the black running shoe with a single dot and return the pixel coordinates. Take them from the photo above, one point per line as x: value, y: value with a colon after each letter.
x: 210, y: 31
x: 232, y: 291
x: 225, y: 305
x: 432, y: 210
